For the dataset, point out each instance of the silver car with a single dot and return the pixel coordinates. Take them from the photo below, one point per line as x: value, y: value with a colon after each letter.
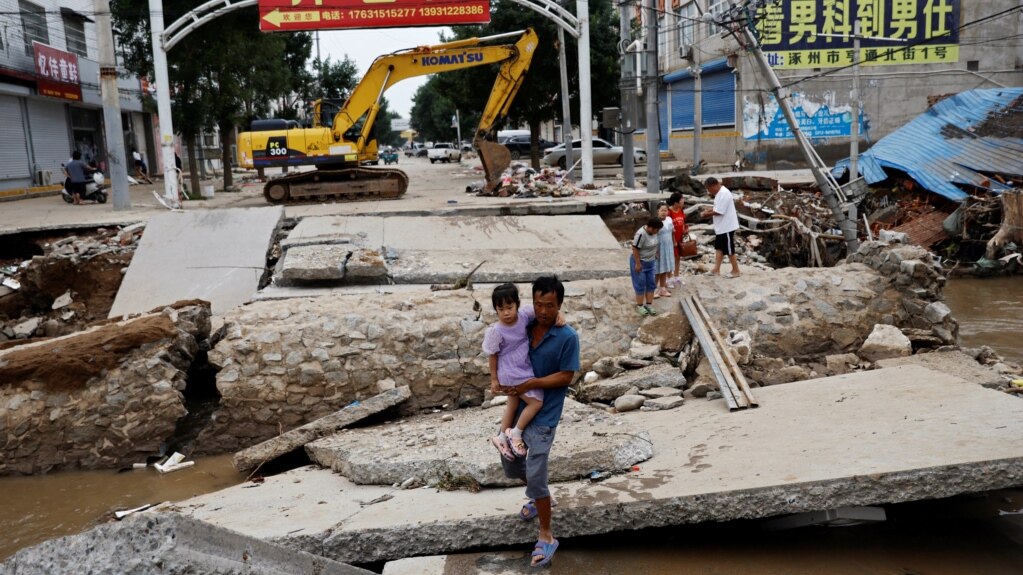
x: 603, y: 153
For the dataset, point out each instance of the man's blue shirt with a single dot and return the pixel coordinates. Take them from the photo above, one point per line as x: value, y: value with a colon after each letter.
x: 558, y: 351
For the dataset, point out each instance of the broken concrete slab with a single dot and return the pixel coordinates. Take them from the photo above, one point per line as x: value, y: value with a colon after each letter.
x: 513, y: 266
x: 215, y: 255
x: 431, y: 450
x: 513, y: 233
x: 659, y: 403
x: 289, y: 441
x: 318, y: 263
x: 941, y: 438
x: 656, y: 392
x: 954, y: 363
x: 167, y: 543
x: 62, y: 301
x: 441, y: 250
x: 660, y: 375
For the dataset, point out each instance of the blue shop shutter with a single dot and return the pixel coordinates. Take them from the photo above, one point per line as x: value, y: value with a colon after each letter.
x: 719, y: 98
x: 662, y: 112
x: 682, y: 103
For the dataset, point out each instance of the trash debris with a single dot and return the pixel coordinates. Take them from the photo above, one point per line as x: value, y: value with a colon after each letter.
x: 175, y: 462
x: 596, y: 476
x: 11, y: 283
x: 122, y: 514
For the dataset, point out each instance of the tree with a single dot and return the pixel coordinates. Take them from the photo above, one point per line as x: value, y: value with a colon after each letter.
x: 539, y: 98
x: 432, y: 110
x: 222, y: 74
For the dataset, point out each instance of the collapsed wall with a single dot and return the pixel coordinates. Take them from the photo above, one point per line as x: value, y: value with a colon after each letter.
x: 101, y: 398
x: 285, y: 363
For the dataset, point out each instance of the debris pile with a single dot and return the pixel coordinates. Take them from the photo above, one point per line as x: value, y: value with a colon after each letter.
x: 522, y: 181
x: 70, y: 285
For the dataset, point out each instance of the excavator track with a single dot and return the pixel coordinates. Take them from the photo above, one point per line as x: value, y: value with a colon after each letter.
x: 344, y: 185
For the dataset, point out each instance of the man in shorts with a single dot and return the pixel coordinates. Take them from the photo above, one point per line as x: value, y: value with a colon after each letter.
x: 554, y: 354
x: 725, y: 223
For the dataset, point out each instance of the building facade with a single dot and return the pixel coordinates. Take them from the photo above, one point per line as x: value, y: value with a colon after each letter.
x: 934, y: 48
x: 50, y: 102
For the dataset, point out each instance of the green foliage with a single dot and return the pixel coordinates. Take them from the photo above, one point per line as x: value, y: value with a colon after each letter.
x: 539, y: 98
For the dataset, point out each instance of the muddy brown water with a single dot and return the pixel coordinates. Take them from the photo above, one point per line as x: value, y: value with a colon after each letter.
x: 963, y: 535
x: 990, y: 312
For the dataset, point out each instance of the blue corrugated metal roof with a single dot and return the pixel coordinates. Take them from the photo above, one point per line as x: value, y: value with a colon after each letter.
x: 940, y: 148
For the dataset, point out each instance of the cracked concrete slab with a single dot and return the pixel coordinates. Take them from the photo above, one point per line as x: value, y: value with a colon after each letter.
x: 214, y: 255
x: 885, y: 436
x: 171, y: 544
x: 429, y: 448
x: 954, y: 363
x: 439, y: 250
x: 287, y: 442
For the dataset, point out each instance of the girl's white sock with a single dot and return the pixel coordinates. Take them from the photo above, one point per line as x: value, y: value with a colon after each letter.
x: 515, y: 433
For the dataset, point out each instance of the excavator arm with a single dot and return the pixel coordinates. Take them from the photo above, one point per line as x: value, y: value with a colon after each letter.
x: 392, y: 68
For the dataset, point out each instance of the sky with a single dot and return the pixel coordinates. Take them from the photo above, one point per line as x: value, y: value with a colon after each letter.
x: 363, y: 46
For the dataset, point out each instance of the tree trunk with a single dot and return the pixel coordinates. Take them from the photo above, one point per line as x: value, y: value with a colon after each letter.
x: 193, y: 174
x: 1012, y: 224
x: 226, y: 139
x: 534, y: 144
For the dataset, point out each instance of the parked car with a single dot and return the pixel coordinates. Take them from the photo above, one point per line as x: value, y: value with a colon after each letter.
x: 519, y: 146
x: 603, y: 153
x: 444, y: 152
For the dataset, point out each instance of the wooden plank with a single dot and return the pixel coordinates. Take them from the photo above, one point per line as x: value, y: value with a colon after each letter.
x: 727, y: 387
x: 740, y: 379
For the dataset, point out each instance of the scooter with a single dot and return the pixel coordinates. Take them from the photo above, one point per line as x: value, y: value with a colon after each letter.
x: 94, y: 191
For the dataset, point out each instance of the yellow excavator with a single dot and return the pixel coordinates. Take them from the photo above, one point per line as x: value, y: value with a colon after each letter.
x: 340, y: 149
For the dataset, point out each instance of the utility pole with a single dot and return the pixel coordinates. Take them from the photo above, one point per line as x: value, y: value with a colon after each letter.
x: 653, y: 124
x: 566, y: 105
x: 827, y: 184
x: 116, y: 166
x: 627, y: 98
x: 163, y: 101
x: 582, y: 13
x: 458, y: 132
x: 854, y: 128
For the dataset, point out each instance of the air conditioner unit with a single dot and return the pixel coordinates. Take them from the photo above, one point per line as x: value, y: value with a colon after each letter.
x: 685, y: 52
x: 44, y: 177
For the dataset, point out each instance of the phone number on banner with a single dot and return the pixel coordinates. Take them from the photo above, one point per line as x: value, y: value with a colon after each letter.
x: 453, y: 12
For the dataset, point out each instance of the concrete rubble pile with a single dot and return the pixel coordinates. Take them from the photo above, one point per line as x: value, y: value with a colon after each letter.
x: 101, y: 398
x: 522, y: 181
x: 68, y: 286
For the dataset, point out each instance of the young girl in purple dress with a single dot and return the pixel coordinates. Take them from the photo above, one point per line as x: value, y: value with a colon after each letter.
x: 507, y: 344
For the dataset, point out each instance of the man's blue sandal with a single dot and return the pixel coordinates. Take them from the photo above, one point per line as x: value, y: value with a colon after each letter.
x: 545, y: 550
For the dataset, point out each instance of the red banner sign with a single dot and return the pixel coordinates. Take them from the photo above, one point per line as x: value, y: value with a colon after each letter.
x: 292, y: 15
x: 57, y: 73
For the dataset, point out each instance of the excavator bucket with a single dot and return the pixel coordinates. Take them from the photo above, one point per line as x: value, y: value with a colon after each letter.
x: 495, y: 159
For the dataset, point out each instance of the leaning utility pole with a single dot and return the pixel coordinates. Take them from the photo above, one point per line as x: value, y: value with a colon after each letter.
x: 653, y: 124
x: 566, y: 105
x: 627, y: 98
x: 116, y: 167
x: 827, y: 184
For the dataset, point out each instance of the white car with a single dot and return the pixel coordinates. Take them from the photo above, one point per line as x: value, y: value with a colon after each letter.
x: 444, y: 152
x: 603, y: 153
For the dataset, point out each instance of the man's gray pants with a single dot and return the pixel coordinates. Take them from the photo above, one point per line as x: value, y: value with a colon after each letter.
x: 533, y: 467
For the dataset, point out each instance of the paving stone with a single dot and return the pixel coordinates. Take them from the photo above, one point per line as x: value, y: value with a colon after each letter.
x: 664, y: 403
x: 656, y: 392
x: 319, y: 263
